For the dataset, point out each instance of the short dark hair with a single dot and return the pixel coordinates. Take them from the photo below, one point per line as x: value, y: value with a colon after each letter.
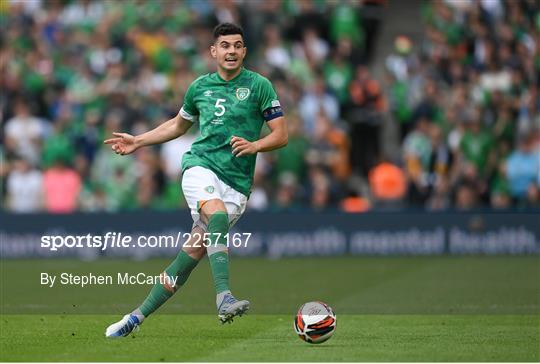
x: 227, y: 29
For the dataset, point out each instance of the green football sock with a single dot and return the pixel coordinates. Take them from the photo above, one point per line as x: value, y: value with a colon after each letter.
x: 180, y: 268
x: 217, y: 251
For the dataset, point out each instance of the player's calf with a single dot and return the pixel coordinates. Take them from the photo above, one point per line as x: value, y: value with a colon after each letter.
x: 218, y: 226
x: 180, y: 268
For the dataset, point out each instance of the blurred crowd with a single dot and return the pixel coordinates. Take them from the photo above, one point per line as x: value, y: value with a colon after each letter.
x: 465, y: 101
x: 467, y: 105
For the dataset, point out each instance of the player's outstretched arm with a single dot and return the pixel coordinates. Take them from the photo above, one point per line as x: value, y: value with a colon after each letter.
x: 277, y: 138
x: 124, y: 143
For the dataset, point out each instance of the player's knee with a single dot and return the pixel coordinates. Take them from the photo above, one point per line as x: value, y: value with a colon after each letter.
x: 211, y: 207
x: 195, y: 252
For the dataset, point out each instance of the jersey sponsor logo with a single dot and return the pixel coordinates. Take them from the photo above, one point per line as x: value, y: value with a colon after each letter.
x: 209, y: 189
x: 242, y: 93
x: 208, y: 93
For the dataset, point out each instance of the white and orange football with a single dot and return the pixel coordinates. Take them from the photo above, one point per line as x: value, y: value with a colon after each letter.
x: 315, y: 322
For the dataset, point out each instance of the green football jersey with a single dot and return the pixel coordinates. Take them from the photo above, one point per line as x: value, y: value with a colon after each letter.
x: 224, y: 109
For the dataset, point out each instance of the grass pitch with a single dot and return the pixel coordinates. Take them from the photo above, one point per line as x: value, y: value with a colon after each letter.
x: 271, y: 338
x: 389, y: 309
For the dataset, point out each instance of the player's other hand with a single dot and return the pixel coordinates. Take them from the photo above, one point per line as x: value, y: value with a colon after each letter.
x: 123, y: 143
x: 241, y: 146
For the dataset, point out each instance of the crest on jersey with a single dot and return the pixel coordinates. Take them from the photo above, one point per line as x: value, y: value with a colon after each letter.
x: 242, y: 93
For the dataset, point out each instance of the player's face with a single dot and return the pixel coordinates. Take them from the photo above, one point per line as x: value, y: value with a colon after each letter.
x: 229, y: 52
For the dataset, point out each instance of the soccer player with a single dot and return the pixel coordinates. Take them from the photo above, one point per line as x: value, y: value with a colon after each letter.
x: 230, y: 106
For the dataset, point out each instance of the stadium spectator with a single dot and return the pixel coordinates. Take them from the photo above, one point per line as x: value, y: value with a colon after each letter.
x: 470, y: 178
x: 354, y: 203
x: 329, y: 149
x: 84, y: 13
x: 533, y: 196
x: 172, y: 152
x: 441, y: 169
x: 286, y: 195
x: 313, y: 49
x: 24, y: 133
x: 151, y: 180
x: 92, y: 199
x: 316, y: 101
x: 307, y: 16
x: 500, y: 200
x: 466, y: 197
x: 292, y: 157
x: 258, y: 200
x: 523, y: 169
x: 476, y: 146
x: 428, y: 107
x: 113, y: 174
x: 88, y: 140
x: 338, y: 72
x: 62, y: 186
x: 440, y: 196
x: 320, y: 189
x: 364, y: 114
x: 388, y: 184
x: 417, y: 153
x: 345, y: 22
x: 275, y: 53
x: 24, y: 187
x: 58, y: 144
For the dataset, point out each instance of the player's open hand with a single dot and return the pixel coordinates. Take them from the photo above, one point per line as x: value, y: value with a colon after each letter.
x: 241, y: 146
x: 123, y: 143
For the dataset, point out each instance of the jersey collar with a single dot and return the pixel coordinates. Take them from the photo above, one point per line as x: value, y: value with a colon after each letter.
x: 242, y: 70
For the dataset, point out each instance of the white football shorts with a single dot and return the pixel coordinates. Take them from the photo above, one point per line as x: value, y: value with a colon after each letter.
x: 201, y: 184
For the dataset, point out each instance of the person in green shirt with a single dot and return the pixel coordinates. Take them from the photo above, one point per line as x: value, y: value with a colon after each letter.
x: 231, y: 106
x: 476, y: 147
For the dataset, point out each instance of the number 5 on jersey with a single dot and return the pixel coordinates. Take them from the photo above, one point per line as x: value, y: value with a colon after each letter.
x: 220, y: 107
